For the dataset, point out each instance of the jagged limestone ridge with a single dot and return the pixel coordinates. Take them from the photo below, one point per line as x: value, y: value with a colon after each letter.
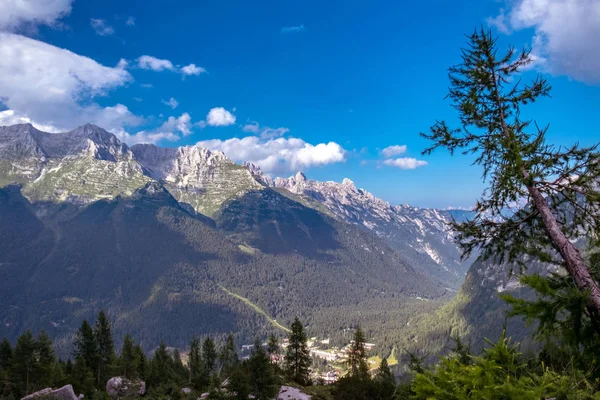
x: 197, y: 177
x: 81, y: 166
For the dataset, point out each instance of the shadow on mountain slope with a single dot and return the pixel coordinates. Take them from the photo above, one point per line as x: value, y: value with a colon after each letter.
x: 159, y: 270
x: 276, y: 224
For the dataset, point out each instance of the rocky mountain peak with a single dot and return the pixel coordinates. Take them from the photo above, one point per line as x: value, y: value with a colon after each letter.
x: 300, y: 177
x: 80, y: 166
x: 18, y: 141
x: 409, y: 229
x: 86, y: 140
x: 196, y: 176
x: 258, y: 174
x: 348, y: 183
x: 184, y: 164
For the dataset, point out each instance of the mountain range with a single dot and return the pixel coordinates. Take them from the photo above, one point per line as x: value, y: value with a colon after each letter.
x: 185, y: 236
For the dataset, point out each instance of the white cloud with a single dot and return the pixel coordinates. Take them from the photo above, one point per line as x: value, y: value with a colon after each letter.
x: 395, y: 150
x: 101, y: 27
x: 293, y: 29
x: 499, y: 22
x: 9, y: 117
x: 265, y: 132
x: 219, y: 116
x: 157, y: 64
x: 192, y: 69
x: 123, y: 64
x: 145, y: 137
x: 180, y: 124
x: 278, y: 155
x: 405, y: 163
x: 253, y: 127
x: 56, y: 87
x: 146, y: 85
x: 18, y: 13
x: 566, y: 34
x: 171, y: 130
x: 130, y: 21
x: 171, y: 103
x: 154, y: 64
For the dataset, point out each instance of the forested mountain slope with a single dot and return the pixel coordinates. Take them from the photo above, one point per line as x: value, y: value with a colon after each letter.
x: 186, y: 238
x: 144, y: 258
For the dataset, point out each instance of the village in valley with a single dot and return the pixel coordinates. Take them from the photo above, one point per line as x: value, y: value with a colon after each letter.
x: 329, y: 363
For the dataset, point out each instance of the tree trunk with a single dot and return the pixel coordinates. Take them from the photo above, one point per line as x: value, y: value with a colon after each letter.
x: 575, y: 265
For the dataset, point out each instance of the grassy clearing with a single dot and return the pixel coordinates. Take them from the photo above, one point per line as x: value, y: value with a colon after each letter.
x: 392, y: 360
x: 374, y: 362
x: 257, y: 309
x: 247, y: 249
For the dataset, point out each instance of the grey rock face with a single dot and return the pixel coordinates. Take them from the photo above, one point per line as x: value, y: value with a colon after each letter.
x: 196, y: 176
x: 64, y: 393
x: 81, y: 166
x: 119, y: 386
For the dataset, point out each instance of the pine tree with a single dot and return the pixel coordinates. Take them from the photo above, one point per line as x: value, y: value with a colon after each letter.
x: 59, y: 376
x: 558, y: 184
x: 69, y: 367
x: 24, y: 362
x: 180, y: 372
x: 273, y: 345
x: 45, y: 361
x: 161, y: 367
x: 105, y: 346
x: 85, y: 347
x: 141, y: 362
x: 129, y: 361
x: 209, y: 355
x: 263, y: 381
x: 385, y: 382
x: 82, y: 377
x: 500, y: 372
x: 228, y: 356
x: 239, y: 381
x: 297, y: 358
x: 195, y: 364
x: 564, y: 326
x: 6, y: 355
x: 357, y: 355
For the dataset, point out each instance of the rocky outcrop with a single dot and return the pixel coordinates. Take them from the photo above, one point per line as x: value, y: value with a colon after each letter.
x: 80, y: 166
x: 292, y: 393
x: 64, y: 393
x: 119, y: 387
x: 195, y: 176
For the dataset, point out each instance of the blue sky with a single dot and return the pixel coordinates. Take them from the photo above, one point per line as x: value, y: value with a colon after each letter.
x: 319, y: 86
